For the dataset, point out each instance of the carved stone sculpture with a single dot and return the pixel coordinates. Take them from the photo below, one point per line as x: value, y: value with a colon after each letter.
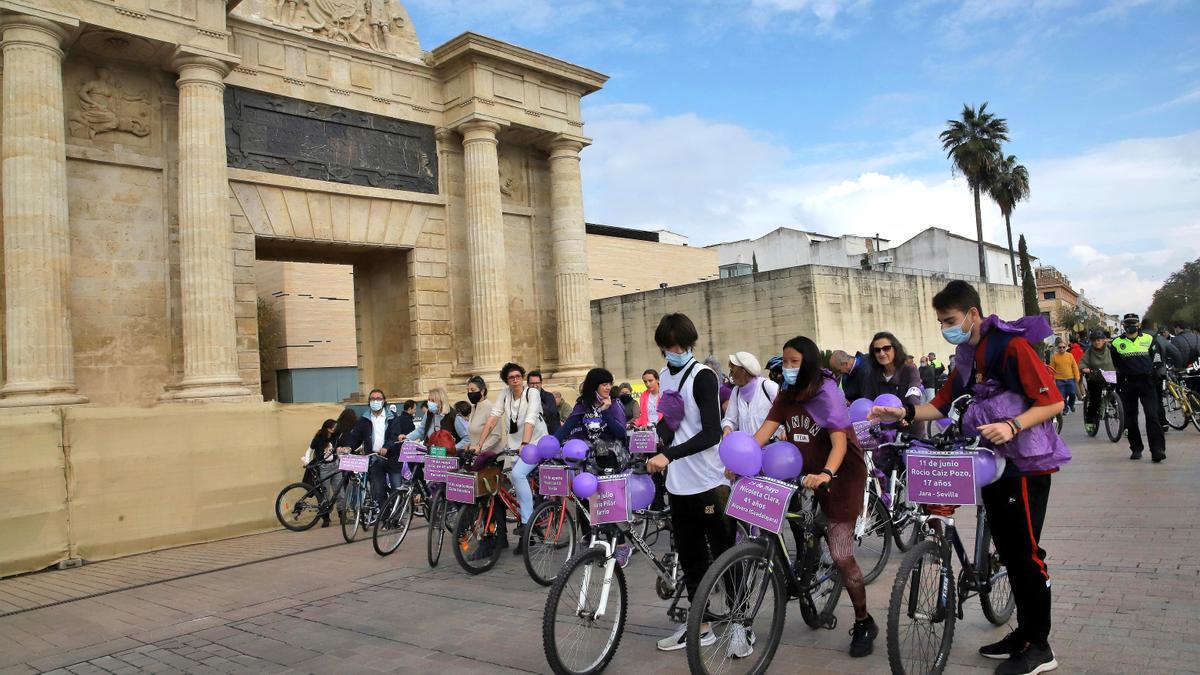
x: 381, y: 25
x: 104, y: 107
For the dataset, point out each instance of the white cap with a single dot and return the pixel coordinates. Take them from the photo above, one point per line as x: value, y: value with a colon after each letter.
x: 747, y: 362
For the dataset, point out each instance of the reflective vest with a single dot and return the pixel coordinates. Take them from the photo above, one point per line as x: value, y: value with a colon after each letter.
x: 1132, y: 357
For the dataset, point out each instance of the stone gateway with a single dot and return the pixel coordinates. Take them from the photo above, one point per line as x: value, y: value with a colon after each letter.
x: 153, y: 150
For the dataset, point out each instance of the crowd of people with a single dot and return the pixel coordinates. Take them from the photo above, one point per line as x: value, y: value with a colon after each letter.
x: 801, y: 396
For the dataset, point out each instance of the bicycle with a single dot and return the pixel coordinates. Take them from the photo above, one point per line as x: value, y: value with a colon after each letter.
x: 1180, y: 403
x: 396, y: 516
x: 1112, y: 411
x: 299, y: 505
x: 475, y: 530
x: 886, y: 516
x: 926, y: 596
x: 761, y: 575
x: 362, y: 510
x: 581, y: 608
x: 443, y: 514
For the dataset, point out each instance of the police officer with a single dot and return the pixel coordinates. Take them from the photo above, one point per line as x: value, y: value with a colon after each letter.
x: 1134, y: 355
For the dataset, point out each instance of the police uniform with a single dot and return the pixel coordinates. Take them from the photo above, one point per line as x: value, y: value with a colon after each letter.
x: 1134, y: 359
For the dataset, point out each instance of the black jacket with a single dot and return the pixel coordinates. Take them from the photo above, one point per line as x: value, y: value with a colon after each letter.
x: 1188, y: 344
x: 550, y: 412
x: 928, y: 376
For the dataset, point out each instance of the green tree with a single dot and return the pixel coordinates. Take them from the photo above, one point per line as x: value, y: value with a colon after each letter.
x: 1178, y: 299
x: 1029, y: 296
x: 972, y: 144
x: 754, y: 263
x: 1011, y: 185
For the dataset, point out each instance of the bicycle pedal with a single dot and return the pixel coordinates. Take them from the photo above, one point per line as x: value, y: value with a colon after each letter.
x: 829, y: 621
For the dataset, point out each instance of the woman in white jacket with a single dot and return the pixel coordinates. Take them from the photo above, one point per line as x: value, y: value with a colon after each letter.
x: 752, y: 395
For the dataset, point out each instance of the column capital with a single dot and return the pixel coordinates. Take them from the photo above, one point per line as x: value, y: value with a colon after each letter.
x: 479, y: 130
x: 564, y: 146
x: 445, y: 135
x: 199, y: 65
x: 35, y: 31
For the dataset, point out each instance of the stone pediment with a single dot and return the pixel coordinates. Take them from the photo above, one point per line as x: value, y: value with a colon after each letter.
x: 379, y: 25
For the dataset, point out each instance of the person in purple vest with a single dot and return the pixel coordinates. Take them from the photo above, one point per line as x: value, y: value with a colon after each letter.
x: 1015, y: 399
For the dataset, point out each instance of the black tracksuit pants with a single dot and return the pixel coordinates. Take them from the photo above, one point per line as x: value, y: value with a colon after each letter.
x: 1142, y: 389
x: 1016, y: 510
x: 702, y: 532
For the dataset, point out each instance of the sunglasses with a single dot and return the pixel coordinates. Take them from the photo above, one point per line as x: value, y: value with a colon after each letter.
x: 882, y: 350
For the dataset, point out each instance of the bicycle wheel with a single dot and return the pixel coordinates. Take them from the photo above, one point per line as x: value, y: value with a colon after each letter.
x: 921, y: 611
x: 1194, y: 404
x: 549, y: 540
x: 298, y: 506
x: 873, y: 538
x: 354, y: 511
x: 1114, y: 416
x: 905, y: 527
x: 998, y: 603
x: 578, y: 637
x: 1173, y: 412
x: 393, y: 523
x: 437, y: 529
x: 475, y: 546
x: 741, y: 591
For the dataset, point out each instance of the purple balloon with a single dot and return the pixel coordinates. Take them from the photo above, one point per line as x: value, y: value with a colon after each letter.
x: 889, y: 401
x: 575, y: 450
x: 548, y: 447
x: 530, y: 454
x: 782, y: 460
x: 860, y: 409
x: 988, y: 467
x: 740, y: 454
x: 584, y: 485
x: 641, y: 491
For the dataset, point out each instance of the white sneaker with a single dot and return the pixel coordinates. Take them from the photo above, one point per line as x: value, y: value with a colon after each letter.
x: 678, y: 639
x: 741, y: 642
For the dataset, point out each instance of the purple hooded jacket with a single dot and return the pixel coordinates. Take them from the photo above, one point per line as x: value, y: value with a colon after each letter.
x: 1037, y: 448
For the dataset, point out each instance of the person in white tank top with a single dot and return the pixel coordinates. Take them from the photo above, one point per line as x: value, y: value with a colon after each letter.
x: 695, y: 475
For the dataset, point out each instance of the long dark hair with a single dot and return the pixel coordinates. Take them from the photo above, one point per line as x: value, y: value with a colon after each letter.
x: 899, y: 356
x: 325, y: 425
x: 345, y: 421
x: 591, y: 384
x: 808, y: 381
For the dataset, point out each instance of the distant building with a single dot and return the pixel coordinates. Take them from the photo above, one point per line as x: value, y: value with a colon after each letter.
x: 935, y: 252
x: 1057, y: 301
x: 624, y: 260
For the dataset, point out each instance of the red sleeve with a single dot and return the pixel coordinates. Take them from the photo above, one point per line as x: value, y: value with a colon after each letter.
x: 1036, y: 379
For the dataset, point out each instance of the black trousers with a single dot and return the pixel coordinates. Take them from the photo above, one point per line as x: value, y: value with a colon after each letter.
x: 1091, y: 404
x: 1143, y: 390
x: 1016, y: 509
x: 702, y: 532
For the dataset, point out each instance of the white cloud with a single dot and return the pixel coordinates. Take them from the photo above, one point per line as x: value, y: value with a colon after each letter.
x: 1131, y: 209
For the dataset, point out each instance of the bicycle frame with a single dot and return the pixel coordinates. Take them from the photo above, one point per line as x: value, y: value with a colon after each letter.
x: 972, y: 579
x: 603, y: 537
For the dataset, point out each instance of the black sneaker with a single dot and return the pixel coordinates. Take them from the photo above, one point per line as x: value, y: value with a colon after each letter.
x: 1136, y: 454
x: 519, y: 533
x: 1029, y: 661
x: 1004, y: 649
x: 862, y: 637
x: 483, y: 552
x: 1157, y: 457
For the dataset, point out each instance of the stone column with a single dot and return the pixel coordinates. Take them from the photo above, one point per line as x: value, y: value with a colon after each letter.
x: 37, y: 235
x: 205, y: 235
x: 569, y: 240
x: 490, y: 334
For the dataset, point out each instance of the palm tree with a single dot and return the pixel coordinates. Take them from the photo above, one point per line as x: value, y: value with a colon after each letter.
x: 1011, y: 185
x: 973, y: 144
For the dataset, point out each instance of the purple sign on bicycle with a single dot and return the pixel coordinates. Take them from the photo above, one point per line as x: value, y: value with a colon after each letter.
x: 412, y: 452
x: 355, y: 463
x: 940, y: 478
x: 761, y: 502
x: 866, y: 440
x: 642, y: 442
x: 460, y: 487
x: 554, y: 481
x: 610, y: 504
x: 437, y: 467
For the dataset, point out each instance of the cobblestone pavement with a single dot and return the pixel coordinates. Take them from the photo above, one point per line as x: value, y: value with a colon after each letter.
x: 1123, y: 539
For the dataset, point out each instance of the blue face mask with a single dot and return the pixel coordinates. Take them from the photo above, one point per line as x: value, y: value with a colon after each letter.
x: 955, y: 335
x: 433, y: 406
x: 790, y: 375
x: 376, y: 405
x: 677, y: 360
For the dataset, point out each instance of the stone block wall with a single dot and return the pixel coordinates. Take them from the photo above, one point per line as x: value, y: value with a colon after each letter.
x: 839, y: 308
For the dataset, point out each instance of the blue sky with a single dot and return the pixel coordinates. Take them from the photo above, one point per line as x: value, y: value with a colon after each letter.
x: 728, y: 119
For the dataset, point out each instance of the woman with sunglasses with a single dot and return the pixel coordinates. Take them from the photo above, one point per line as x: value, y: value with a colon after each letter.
x: 890, y: 372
